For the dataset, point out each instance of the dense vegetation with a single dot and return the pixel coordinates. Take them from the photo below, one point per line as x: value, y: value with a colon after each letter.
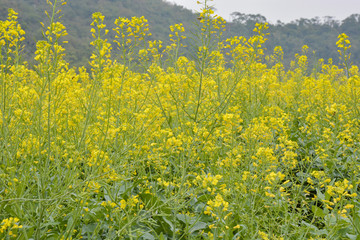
x: 77, y: 19
x: 150, y: 144
x: 319, y: 34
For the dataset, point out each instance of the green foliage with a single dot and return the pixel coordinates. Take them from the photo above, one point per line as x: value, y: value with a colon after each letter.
x: 222, y: 145
x: 77, y: 19
x: 319, y: 34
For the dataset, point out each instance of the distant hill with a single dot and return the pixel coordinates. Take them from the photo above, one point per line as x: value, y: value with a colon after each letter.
x: 77, y: 19
x: 319, y: 34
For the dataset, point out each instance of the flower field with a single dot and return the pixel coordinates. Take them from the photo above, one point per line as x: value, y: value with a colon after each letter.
x: 148, y: 143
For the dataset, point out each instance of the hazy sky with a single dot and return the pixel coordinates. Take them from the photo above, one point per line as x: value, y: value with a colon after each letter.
x: 284, y: 10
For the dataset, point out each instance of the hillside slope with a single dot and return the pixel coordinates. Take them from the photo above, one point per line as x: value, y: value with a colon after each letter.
x: 77, y: 19
x: 319, y: 34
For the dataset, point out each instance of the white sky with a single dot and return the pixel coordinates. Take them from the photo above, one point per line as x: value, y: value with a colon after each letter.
x: 284, y: 10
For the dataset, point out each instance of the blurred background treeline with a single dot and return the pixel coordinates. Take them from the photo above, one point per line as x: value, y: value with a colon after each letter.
x: 319, y: 34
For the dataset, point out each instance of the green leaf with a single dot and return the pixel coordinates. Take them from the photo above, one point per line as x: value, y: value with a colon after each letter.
x: 198, y: 226
x: 89, y: 228
x: 155, y: 202
x: 203, y: 198
x: 170, y: 226
x: 318, y: 212
x: 162, y: 237
x: 27, y: 231
x: 186, y: 219
x: 353, y: 237
x: 320, y: 195
x: 356, y: 218
x: 148, y: 236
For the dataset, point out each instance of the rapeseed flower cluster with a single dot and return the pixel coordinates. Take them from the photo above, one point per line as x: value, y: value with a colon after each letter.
x: 228, y: 144
x: 9, y: 227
